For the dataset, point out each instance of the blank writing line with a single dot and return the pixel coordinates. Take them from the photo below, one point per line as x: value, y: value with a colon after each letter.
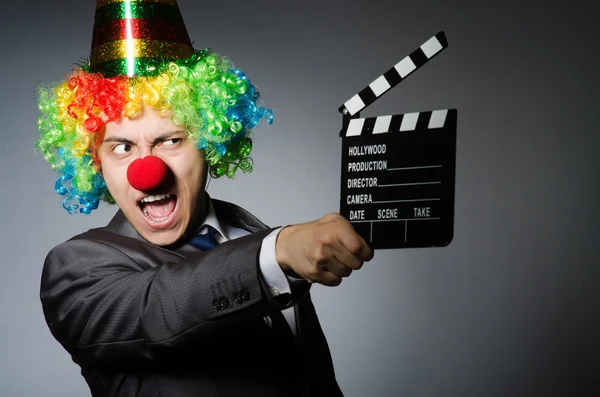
x: 396, y: 220
x: 410, y: 184
x: 414, y: 168
x: 406, y: 201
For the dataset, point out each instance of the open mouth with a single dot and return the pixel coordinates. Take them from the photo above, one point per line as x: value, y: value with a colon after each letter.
x: 158, y: 208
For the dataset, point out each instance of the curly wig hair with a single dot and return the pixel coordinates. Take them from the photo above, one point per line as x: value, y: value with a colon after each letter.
x: 216, y: 104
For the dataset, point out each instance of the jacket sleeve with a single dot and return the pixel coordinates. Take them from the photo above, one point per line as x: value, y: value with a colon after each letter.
x: 107, y: 305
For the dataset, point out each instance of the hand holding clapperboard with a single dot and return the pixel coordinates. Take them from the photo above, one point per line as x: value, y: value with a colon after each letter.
x: 398, y: 171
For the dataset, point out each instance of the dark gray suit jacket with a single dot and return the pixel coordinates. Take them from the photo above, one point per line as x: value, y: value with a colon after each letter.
x: 142, y: 320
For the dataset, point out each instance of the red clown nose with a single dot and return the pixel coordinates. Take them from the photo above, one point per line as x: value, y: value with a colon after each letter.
x: 147, y: 174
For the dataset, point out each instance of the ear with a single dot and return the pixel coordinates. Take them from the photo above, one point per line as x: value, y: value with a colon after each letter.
x: 95, y: 149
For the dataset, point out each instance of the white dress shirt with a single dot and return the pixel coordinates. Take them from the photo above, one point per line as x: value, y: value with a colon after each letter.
x: 270, y: 269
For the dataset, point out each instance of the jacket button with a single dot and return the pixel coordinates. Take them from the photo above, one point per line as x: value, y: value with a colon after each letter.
x: 217, y: 304
x: 224, y: 302
x: 238, y: 298
x: 245, y: 294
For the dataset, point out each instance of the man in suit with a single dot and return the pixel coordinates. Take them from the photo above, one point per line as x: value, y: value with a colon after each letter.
x: 179, y: 295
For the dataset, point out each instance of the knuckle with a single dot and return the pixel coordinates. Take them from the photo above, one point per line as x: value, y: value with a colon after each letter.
x: 326, y: 239
x: 331, y: 216
x: 336, y: 220
x: 342, y: 223
x: 319, y: 253
x: 354, y: 244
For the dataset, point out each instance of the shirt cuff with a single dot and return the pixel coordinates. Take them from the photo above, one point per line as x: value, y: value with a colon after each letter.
x: 270, y: 269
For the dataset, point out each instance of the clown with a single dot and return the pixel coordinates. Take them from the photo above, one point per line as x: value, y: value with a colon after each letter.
x: 140, y: 60
x: 154, y: 303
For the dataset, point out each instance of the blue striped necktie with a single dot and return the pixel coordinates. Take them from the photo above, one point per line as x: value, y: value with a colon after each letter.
x: 206, y: 241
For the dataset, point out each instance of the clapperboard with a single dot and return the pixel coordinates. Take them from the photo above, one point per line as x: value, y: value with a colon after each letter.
x: 398, y: 171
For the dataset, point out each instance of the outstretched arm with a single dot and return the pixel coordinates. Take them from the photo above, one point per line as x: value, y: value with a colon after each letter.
x: 108, y: 304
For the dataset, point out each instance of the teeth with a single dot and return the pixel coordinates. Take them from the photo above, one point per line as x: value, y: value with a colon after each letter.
x: 149, y: 199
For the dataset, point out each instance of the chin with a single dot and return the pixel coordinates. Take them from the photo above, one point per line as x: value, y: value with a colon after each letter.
x: 162, y: 239
x: 160, y: 227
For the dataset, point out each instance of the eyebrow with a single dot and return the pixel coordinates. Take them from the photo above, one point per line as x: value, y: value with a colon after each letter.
x: 165, y: 136
x: 162, y: 137
x: 118, y: 139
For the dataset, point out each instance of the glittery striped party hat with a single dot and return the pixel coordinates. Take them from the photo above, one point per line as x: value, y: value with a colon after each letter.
x: 135, y: 37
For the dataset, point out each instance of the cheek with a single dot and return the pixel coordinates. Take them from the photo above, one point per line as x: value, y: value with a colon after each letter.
x: 194, y: 173
x: 190, y: 166
x: 114, y: 177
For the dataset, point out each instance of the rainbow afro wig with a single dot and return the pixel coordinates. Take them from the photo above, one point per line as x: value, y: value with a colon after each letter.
x: 200, y: 90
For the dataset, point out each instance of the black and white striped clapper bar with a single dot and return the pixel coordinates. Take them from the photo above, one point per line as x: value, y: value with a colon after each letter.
x: 398, y: 171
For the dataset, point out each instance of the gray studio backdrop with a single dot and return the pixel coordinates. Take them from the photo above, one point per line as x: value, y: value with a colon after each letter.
x: 510, y: 308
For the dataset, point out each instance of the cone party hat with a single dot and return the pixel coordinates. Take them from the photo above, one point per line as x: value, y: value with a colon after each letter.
x: 136, y: 37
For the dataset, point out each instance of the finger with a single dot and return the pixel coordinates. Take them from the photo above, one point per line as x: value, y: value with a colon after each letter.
x: 330, y: 279
x: 313, y: 276
x: 345, y: 257
x: 355, y: 244
x: 336, y: 267
x: 368, y: 253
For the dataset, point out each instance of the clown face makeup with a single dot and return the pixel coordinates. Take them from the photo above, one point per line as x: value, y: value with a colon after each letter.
x: 173, y: 204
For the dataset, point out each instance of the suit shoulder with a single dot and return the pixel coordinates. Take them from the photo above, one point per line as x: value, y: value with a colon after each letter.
x: 90, y: 243
x: 84, y: 243
x: 102, y: 247
x: 99, y: 235
x: 96, y: 234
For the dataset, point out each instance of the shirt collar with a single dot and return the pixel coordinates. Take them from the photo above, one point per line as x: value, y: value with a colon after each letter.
x: 212, y: 220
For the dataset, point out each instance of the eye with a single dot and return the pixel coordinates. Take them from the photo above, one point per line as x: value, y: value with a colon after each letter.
x: 122, y: 148
x: 172, y: 141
